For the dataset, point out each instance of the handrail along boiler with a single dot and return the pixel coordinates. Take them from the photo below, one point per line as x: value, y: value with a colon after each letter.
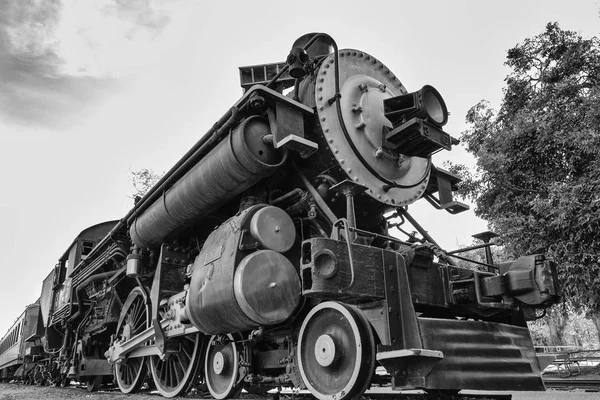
x: 264, y: 257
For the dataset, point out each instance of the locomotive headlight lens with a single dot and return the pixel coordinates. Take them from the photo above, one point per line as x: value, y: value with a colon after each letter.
x: 426, y: 104
x: 433, y: 105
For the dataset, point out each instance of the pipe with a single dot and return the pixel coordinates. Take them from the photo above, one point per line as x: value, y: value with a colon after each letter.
x: 422, y: 231
x: 317, y: 197
x: 81, y: 288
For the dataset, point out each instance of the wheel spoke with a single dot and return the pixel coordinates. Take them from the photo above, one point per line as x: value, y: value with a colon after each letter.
x: 163, y: 371
x: 130, y: 373
x: 177, y: 372
x: 187, y: 353
x: 140, y: 321
x: 180, y: 370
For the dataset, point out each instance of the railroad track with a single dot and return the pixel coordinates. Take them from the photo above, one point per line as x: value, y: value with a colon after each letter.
x: 575, y: 383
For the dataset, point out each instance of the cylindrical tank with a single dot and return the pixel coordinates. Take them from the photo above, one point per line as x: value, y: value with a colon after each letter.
x: 233, y: 290
x: 234, y: 165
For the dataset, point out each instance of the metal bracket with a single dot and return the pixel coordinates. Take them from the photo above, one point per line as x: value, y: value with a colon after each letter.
x: 288, y: 130
x: 443, y: 185
x: 168, y: 277
x: 479, y: 293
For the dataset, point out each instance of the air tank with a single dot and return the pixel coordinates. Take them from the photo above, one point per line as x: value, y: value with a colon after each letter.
x: 238, y: 162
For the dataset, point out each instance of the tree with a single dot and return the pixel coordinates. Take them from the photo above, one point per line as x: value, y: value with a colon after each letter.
x: 537, y: 176
x: 143, y: 180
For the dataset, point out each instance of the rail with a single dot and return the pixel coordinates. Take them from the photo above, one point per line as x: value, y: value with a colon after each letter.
x: 572, y: 383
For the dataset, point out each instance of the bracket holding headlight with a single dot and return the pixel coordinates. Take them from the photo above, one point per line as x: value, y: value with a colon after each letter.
x: 417, y: 120
x: 426, y: 104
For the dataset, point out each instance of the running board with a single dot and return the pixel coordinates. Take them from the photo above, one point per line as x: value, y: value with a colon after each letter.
x: 409, y: 367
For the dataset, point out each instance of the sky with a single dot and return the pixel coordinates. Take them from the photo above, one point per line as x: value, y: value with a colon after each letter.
x: 91, y: 90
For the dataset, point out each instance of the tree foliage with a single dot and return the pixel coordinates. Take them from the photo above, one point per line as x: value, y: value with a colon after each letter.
x: 537, y: 177
x: 142, y: 181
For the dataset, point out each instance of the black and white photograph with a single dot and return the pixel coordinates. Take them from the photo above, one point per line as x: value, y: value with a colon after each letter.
x: 332, y: 200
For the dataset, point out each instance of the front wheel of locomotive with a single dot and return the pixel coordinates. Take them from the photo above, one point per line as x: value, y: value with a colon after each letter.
x: 176, y: 373
x: 134, y: 319
x: 221, y: 367
x: 336, y: 352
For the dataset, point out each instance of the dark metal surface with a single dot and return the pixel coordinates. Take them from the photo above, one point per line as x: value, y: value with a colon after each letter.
x: 168, y: 278
x: 481, y: 355
x: 326, y: 270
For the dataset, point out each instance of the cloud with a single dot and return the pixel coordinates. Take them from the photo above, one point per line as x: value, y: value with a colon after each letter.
x: 57, y: 58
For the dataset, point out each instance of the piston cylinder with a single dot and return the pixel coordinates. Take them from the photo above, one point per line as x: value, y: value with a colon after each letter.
x: 234, y: 165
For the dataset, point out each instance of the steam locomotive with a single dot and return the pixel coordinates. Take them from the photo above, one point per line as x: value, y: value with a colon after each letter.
x: 272, y: 255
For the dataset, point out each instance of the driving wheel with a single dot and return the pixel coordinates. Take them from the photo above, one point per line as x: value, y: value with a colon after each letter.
x: 176, y: 373
x: 336, y: 351
x: 134, y: 319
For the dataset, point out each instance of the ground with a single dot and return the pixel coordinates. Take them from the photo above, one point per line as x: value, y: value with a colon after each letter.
x: 12, y: 391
